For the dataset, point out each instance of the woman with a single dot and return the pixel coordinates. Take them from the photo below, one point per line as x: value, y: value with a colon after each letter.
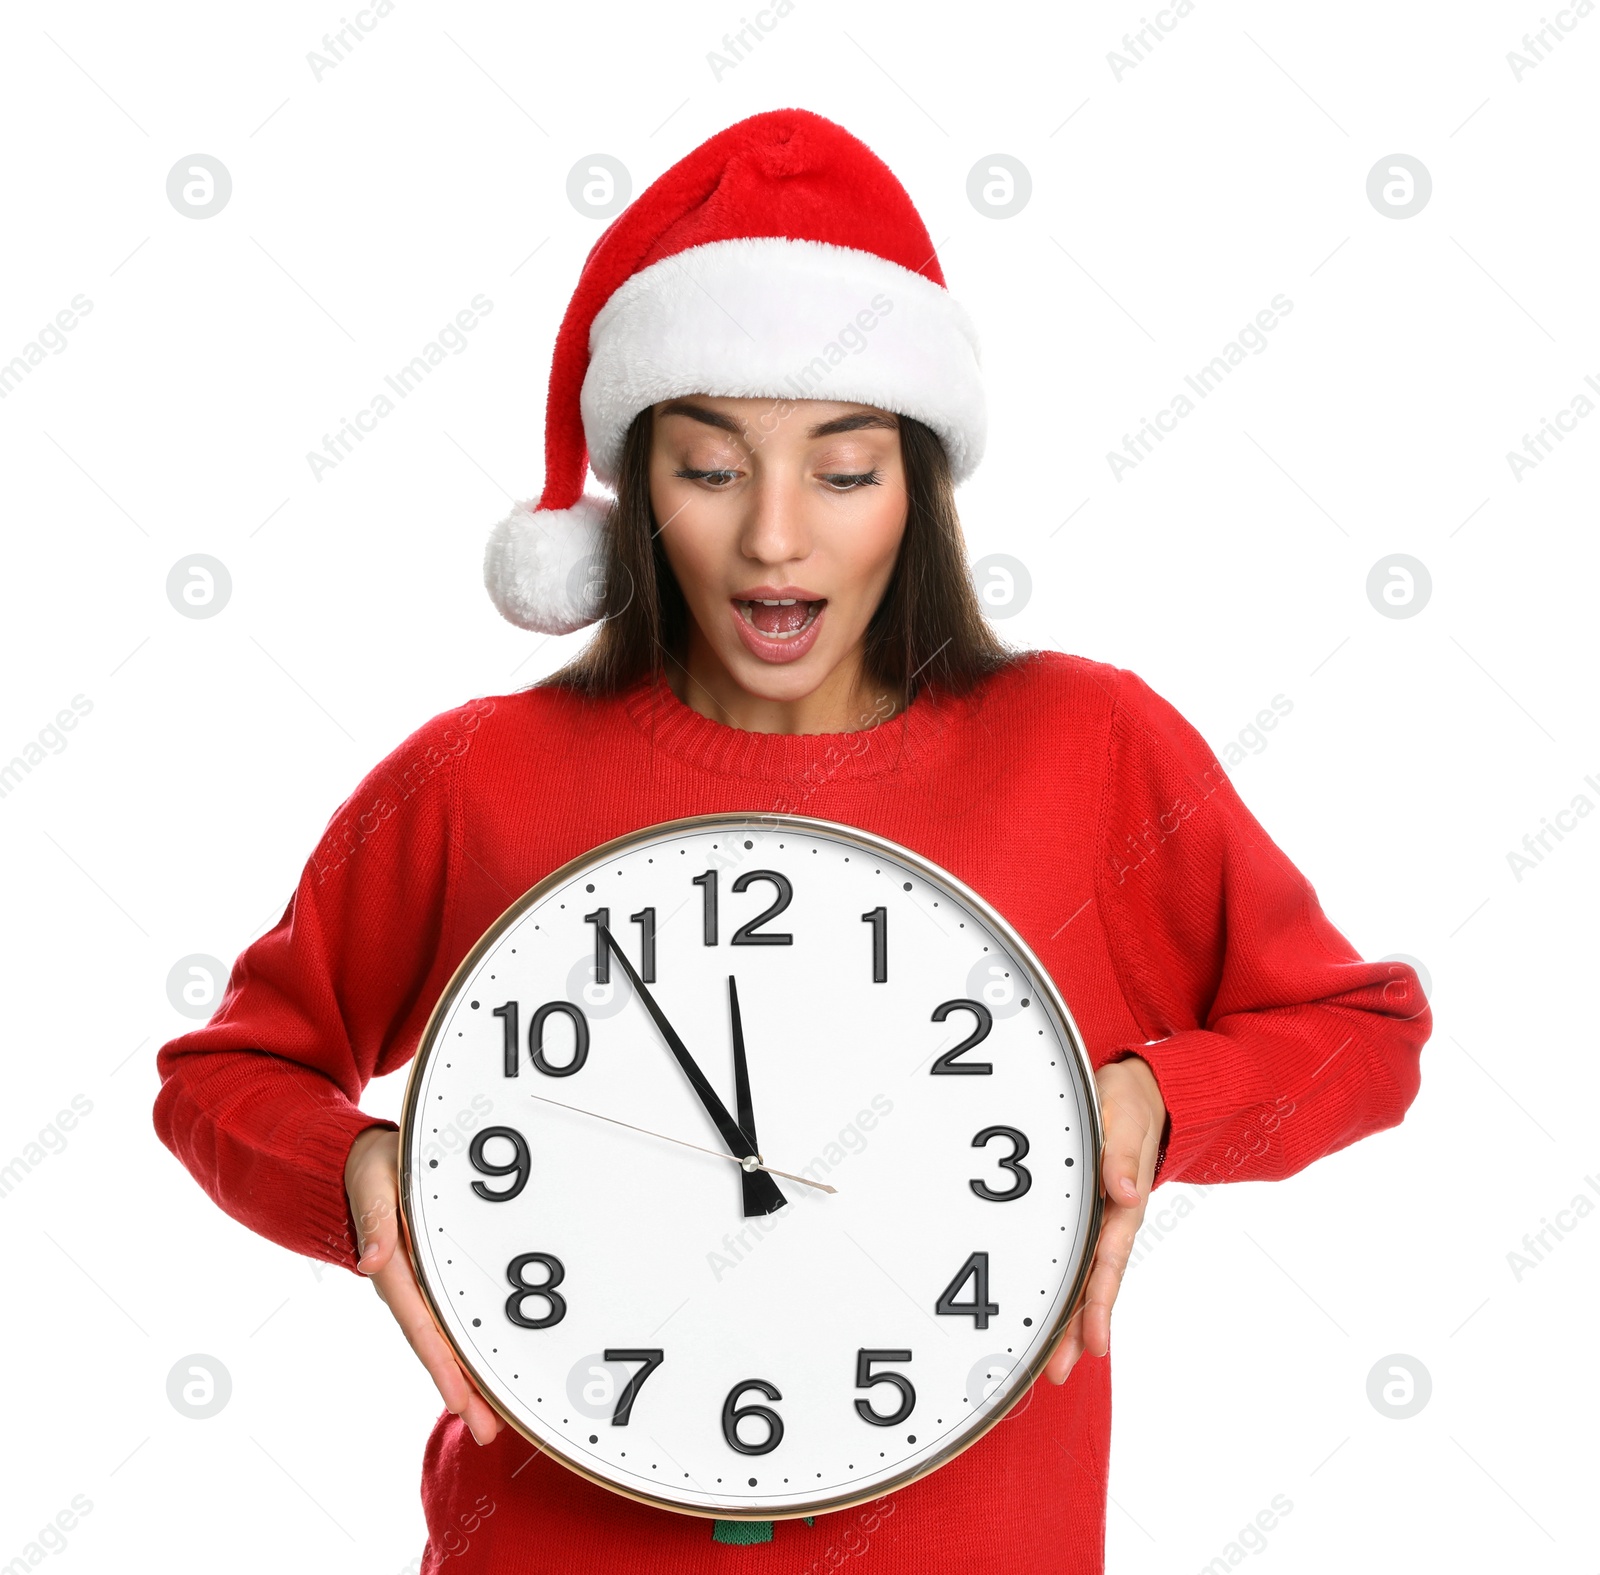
x: 761, y: 357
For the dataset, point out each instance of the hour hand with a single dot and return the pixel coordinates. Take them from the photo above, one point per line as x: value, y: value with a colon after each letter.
x: 764, y: 1189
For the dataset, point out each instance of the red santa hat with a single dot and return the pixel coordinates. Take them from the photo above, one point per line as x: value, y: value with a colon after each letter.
x: 782, y: 259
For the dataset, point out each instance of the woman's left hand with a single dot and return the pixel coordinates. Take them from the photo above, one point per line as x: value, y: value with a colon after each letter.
x: 1134, y: 1117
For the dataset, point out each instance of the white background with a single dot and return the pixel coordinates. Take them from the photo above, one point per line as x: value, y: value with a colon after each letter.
x: 1167, y: 208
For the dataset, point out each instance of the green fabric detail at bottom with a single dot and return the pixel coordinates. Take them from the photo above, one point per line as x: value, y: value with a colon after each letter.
x: 741, y: 1531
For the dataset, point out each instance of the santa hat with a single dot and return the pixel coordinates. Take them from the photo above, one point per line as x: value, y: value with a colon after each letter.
x: 781, y: 258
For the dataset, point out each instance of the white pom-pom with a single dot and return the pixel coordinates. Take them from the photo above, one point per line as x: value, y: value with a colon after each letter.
x: 543, y: 567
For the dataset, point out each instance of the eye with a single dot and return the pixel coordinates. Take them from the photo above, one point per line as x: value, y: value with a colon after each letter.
x: 716, y: 479
x: 845, y: 481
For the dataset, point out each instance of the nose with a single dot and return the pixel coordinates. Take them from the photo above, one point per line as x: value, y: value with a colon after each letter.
x: 775, y: 528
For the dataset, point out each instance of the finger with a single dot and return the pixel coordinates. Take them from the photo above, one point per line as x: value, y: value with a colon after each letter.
x: 1067, y: 1353
x: 377, y: 1228
x: 404, y: 1300
x: 1105, y: 1279
x: 482, y: 1420
x: 398, y: 1288
x: 1126, y: 1138
x: 1149, y: 1155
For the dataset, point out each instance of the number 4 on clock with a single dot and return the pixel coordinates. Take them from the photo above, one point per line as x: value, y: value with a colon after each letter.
x: 980, y: 1309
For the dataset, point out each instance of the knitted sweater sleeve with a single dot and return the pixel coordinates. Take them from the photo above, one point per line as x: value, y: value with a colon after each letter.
x: 1273, y: 1043
x: 260, y: 1104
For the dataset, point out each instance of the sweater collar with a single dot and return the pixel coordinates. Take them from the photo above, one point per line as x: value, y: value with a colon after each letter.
x: 877, y: 748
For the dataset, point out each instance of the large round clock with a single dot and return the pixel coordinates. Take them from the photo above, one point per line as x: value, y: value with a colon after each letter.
x: 782, y: 1180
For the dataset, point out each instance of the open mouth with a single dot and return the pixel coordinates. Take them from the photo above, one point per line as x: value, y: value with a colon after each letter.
x: 780, y: 620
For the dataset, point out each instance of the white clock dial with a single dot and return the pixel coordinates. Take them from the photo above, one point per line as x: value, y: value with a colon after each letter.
x: 710, y: 1338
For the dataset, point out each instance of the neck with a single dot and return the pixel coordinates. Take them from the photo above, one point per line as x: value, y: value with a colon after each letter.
x: 843, y: 702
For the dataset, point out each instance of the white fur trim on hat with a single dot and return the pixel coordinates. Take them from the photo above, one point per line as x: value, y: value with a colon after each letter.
x: 783, y: 319
x: 542, y: 567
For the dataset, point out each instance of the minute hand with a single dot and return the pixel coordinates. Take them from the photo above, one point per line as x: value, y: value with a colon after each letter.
x: 739, y: 1145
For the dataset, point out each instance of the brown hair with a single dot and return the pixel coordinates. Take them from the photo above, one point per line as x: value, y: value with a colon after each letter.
x: 928, y: 628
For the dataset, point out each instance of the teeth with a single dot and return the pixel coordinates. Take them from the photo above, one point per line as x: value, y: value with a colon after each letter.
x: 811, y: 616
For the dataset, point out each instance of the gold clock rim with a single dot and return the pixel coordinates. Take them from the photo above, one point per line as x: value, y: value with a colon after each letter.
x: 800, y: 824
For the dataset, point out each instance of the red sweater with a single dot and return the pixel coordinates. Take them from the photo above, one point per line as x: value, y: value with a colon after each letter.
x: 1065, y: 792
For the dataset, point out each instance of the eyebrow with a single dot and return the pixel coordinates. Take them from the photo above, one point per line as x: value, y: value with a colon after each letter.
x: 851, y: 423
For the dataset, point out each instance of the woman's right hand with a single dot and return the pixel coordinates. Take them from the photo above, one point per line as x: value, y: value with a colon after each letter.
x: 372, y: 1182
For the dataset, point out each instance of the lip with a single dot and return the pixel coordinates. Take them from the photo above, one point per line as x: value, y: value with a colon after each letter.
x: 777, y: 652
x: 771, y: 593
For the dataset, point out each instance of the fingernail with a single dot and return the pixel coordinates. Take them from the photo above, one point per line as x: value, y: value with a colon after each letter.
x: 1129, y: 1191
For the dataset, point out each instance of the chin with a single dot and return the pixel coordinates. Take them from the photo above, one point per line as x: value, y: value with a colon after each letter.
x: 794, y: 681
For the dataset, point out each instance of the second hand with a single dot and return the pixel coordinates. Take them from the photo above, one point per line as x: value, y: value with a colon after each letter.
x: 745, y: 1164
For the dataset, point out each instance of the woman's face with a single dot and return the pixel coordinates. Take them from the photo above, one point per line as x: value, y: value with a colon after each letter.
x: 799, y: 502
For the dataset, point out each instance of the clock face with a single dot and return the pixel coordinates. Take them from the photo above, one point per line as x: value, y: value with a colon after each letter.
x: 795, y: 994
